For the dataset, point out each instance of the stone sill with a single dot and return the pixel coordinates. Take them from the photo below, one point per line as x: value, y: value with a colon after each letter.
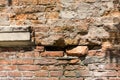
x: 15, y: 43
x: 15, y: 36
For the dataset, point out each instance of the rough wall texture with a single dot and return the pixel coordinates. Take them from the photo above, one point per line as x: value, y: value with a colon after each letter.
x: 73, y: 40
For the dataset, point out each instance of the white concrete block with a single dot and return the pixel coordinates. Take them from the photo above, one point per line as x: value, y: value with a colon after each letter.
x: 16, y: 36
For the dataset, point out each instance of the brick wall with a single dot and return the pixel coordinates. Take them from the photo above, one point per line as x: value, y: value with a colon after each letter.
x: 68, y: 40
x: 39, y: 64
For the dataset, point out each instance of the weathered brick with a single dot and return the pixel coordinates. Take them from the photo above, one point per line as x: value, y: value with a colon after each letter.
x: 39, y: 48
x: 56, y: 73
x: 1, y: 67
x: 27, y: 73
x: 74, y: 61
x: 111, y: 66
x: 3, y: 3
x: 29, y: 9
x: 90, y: 1
x: 77, y: 51
x: 47, y: 1
x: 45, y: 61
x: 71, y: 79
x: 71, y: 67
x: 36, y: 54
x: 41, y: 74
x: 118, y: 73
x: 113, y: 78
x: 70, y: 73
x: 52, y: 15
x: 4, y: 62
x: 10, y: 67
x: 28, y: 67
x: 22, y: 61
x: 44, y: 67
x: 25, y: 55
x: 24, y: 2
x: 62, y: 62
x: 40, y: 29
x: 55, y: 68
x: 84, y: 73
x: 15, y: 74
x: 45, y: 78
x: 3, y: 74
x: 52, y: 54
x: 106, y: 74
x: 118, y: 66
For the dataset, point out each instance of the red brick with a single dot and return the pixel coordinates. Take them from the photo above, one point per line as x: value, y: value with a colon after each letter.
x: 28, y: 67
x: 112, y: 73
x: 71, y: 67
x: 119, y: 73
x: 106, y: 74
x: 45, y: 78
x: 44, y: 67
x: 74, y: 61
x: 4, y: 62
x: 77, y: 51
x: 27, y: 74
x: 41, y: 74
x: 111, y: 66
x: 70, y: 73
x: 2, y: 55
x: 1, y: 67
x: 56, y: 73
x: 29, y: 54
x: 15, y: 74
x: 3, y: 74
x: 40, y: 48
x: 37, y: 54
x: 10, y: 67
x: 84, y: 73
x: 21, y: 61
x: 45, y: 61
x: 75, y: 67
x: 62, y: 62
x: 71, y: 79
x: 3, y: 2
x: 55, y: 68
x: 7, y: 55
x: 52, y: 54
x: 114, y: 78
x: 25, y: 55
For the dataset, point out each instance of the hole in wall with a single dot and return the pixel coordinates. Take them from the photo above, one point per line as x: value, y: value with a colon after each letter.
x: 94, y: 47
x: 9, y: 3
x: 54, y: 48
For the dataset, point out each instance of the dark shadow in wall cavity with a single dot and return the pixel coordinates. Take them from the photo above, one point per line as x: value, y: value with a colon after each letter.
x: 9, y: 3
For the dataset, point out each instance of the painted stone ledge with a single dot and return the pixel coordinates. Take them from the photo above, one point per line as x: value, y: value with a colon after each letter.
x: 15, y: 35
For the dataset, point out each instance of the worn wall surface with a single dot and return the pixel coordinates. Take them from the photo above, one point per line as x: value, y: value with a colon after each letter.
x: 62, y: 39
